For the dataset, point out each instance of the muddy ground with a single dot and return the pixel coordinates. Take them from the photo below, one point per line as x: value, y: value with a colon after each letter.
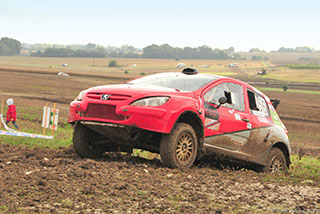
x: 48, y: 181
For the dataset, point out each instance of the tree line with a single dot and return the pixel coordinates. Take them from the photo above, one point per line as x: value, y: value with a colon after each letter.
x: 11, y: 47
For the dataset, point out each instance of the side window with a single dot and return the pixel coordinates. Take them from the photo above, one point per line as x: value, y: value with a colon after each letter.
x: 257, y: 104
x: 233, y: 92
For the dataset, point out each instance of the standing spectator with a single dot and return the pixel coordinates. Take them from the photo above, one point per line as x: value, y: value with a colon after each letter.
x: 11, y: 113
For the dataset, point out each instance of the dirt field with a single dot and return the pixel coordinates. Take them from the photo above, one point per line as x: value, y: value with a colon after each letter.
x: 46, y: 181
x: 43, y: 180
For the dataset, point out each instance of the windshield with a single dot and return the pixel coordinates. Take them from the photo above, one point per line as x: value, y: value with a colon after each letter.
x: 178, y: 81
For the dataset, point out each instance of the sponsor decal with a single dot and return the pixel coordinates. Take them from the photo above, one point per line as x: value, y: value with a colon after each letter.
x: 258, y: 113
x: 237, y: 116
x: 249, y: 125
x: 263, y: 120
x: 215, y: 127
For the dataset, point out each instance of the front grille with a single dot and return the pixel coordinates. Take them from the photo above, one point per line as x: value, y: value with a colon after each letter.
x: 115, y: 97
x: 102, y: 111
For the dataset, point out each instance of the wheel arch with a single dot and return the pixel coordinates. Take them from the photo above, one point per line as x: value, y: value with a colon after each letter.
x: 195, y: 121
x: 284, y: 148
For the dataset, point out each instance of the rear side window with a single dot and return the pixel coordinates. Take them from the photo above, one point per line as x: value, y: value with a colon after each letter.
x: 233, y: 92
x: 257, y: 104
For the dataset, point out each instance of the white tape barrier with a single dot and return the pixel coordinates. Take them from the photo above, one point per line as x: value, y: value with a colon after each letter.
x: 12, y: 132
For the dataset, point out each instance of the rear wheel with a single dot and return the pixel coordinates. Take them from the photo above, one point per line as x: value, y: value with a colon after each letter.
x: 86, y: 142
x: 276, y: 161
x: 179, y: 148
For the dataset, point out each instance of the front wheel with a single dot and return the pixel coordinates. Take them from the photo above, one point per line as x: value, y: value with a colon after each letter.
x: 276, y: 162
x: 179, y: 148
x: 85, y: 142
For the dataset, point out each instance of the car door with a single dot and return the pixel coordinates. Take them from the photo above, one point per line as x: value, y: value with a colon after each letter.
x: 227, y: 126
x: 261, y: 124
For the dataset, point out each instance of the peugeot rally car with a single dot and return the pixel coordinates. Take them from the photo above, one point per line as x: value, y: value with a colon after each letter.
x: 181, y: 115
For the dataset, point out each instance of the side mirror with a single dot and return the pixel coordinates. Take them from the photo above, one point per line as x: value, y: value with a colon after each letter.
x: 222, y: 100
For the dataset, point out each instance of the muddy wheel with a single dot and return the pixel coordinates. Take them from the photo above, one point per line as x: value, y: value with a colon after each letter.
x: 276, y: 162
x: 84, y: 140
x: 179, y: 148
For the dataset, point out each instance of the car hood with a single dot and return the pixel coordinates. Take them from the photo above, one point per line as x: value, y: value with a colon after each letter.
x: 134, y: 90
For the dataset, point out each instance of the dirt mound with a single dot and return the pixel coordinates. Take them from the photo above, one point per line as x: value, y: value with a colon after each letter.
x: 43, y: 180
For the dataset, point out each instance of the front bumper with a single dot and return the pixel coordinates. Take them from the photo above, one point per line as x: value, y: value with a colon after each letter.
x: 143, y: 117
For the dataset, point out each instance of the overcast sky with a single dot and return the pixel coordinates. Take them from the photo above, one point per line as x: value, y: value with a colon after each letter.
x: 242, y: 24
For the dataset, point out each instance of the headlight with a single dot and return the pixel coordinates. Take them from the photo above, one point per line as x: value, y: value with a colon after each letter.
x: 80, y: 96
x: 151, y: 101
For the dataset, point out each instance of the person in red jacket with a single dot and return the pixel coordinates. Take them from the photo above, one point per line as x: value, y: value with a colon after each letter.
x: 11, y: 113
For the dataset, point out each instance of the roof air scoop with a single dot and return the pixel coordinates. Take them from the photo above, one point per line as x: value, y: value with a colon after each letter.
x: 190, y: 71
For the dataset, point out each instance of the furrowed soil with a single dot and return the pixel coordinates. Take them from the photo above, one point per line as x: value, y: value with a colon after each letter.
x: 57, y: 181
x: 42, y: 180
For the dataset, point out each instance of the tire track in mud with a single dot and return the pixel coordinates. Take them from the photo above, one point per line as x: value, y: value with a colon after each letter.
x: 299, y: 119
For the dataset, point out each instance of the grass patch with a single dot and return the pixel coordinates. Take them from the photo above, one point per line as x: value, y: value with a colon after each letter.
x: 289, y: 90
x: 221, y: 73
x: 305, y: 170
x: 145, y: 154
x: 141, y: 192
x: 302, y: 76
x: 63, y: 138
x: 303, y: 66
x: 4, y: 208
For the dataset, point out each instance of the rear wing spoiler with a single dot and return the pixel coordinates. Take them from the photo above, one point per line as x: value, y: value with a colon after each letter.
x: 275, y: 103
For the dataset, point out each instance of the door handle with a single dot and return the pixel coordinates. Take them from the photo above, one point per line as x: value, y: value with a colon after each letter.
x: 245, y: 120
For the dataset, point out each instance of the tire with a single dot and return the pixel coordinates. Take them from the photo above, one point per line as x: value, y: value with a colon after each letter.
x: 83, y: 142
x: 276, y: 162
x: 179, y: 148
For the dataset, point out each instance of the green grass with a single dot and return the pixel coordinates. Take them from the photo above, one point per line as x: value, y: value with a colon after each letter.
x: 4, y: 208
x: 62, y: 138
x: 304, y: 66
x: 221, y: 73
x: 298, y: 76
x: 305, y: 170
x: 289, y: 90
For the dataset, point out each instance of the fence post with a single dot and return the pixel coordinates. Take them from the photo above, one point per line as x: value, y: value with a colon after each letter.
x: 45, y: 120
x: 1, y: 111
x: 54, y: 116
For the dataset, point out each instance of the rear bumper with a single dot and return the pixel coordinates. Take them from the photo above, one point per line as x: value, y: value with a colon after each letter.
x: 143, y: 117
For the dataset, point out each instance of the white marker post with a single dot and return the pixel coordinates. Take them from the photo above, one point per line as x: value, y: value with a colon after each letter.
x: 45, y: 118
x: 50, y: 118
x: 1, y: 113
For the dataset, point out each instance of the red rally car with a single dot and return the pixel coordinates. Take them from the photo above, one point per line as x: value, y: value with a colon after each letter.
x: 180, y: 116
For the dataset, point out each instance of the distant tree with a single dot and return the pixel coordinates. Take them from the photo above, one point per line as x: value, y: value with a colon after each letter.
x: 91, y: 46
x: 256, y: 57
x: 304, y: 49
x: 236, y: 56
x: 112, y: 63
x: 13, y: 45
x: 230, y: 50
x: 4, y: 50
x: 256, y: 50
